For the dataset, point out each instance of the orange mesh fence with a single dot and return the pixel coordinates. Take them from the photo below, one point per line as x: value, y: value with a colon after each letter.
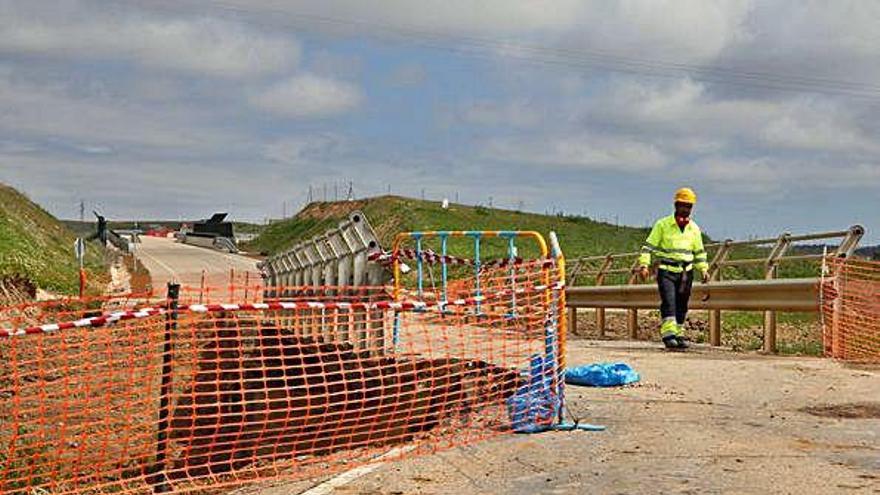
x: 851, y: 310
x: 130, y: 396
x: 220, y: 287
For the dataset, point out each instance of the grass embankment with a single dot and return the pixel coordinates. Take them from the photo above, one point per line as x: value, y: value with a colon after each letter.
x: 36, y: 246
x: 389, y: 215
x: 578, y: 236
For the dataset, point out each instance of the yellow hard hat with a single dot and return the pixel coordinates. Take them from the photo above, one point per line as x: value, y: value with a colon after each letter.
x: 686, y: 195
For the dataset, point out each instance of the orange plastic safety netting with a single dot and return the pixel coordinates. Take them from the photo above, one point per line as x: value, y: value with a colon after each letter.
x: 133, y: 396
x: 851, y: 310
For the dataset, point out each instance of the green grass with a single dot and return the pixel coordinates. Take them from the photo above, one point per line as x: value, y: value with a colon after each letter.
x: 390, y: 215
x: 37, y: 246
x: 747, y: 319
x: 797, y: 333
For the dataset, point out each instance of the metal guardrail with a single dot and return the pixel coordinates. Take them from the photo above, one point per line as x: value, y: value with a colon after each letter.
x: 225, y: 244
x: 119, y: 241
x: 753, y: 295
x: 795, y: 294
x: 338, y: 257
x: 217, y: 243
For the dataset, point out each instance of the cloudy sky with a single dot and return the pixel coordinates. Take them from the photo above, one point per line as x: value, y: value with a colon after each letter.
x: 179, y: 108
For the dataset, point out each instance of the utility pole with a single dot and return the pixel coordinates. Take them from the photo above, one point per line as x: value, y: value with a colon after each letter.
x: 311, y: 197
x: 82, y: 211
x: 325, y: 192
x: 350, y: 191
x: 490, y: 201
x: 335, y: 191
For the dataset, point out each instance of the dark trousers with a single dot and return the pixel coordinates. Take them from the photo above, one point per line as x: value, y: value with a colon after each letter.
x: 675, y: 292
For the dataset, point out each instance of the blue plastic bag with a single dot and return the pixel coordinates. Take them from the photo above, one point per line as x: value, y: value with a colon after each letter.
x: 535, y: 405
x: 601, y: 375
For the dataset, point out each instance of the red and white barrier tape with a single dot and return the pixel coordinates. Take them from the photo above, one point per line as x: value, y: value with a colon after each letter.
x: 110, y: 318
x: 431, y: 257
x: 95, y: 321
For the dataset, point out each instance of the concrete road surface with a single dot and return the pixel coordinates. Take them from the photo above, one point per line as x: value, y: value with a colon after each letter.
x: 170, y: 261
x: 705, y: 421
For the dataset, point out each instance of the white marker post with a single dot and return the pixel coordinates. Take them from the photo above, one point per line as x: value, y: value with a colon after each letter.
x: 79, y: 250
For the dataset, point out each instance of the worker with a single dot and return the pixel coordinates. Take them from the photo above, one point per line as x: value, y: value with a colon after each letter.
x: 676, y: 245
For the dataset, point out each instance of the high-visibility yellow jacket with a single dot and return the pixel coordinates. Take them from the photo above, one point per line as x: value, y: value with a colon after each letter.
x: 675, y: 250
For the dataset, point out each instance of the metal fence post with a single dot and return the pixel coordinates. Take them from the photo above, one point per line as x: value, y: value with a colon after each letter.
x: 716, y: 275
x: 600, y: 279
x: 632, y: 315
x: 772, y: 270
x: 158, y: 479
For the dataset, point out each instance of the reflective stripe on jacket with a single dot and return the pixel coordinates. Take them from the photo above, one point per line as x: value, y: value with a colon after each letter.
x: 674, y: 250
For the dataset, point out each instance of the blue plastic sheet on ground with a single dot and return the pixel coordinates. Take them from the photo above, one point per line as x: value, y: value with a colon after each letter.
x: 535, y: 405
x: 601, y: 375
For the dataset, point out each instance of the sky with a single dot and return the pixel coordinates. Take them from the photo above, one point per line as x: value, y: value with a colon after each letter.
x: 176, y: 109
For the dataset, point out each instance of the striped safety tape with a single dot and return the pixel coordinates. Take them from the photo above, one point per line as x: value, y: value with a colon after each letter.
x: 110, y: 318
x: 431, y: 257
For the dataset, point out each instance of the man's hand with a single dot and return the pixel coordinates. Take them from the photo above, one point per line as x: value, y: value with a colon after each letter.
x: 642, y: 272
x: 705, y: 278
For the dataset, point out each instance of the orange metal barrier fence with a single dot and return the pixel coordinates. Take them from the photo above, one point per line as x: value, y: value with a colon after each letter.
x: 851, y: 310
x: 130, y: 396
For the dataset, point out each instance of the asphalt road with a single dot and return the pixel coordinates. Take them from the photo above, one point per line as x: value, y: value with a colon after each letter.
x: 170, y: 261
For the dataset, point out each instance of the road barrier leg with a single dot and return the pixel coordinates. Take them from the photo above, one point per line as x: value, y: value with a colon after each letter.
x: 715, y: 327
x: 770, y: 331
x: 632, y: 323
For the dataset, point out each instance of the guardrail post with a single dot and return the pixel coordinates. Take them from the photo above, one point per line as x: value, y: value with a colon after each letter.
x: 715, y: 326
x: 716, y: 275
x: 632, y: 323
x: 772, y: 269
x: 632, y: 315
x: 600, y: 279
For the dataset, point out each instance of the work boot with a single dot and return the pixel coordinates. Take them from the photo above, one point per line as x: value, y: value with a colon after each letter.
x: 671, y: 342
x: 680, y: 343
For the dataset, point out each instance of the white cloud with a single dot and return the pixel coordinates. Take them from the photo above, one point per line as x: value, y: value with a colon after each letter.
x: 520, y: 113
x: 819, y: 40
x: 689, y: 31
x: 453, y: 16
x: 411, y: 74
x: 94, y: 150
x: 589, y: 152
x: 304, y: 150
x: 199, y: 45
x: 770, y: 174
x: 692, y: 119
x: 823, y: 127
x: 308, y: 95
x: 681, y: 105
x: 824, y: 39
x: 98, y: 123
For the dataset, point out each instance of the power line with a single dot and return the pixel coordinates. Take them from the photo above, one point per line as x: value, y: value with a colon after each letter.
x: 574, y: 58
